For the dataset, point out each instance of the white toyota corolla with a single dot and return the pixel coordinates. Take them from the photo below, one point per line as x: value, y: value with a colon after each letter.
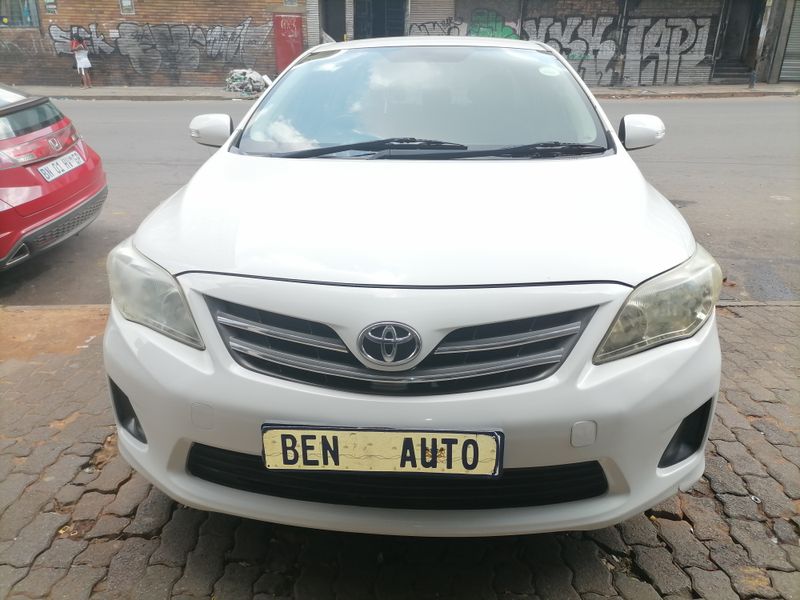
x: 421, y: 289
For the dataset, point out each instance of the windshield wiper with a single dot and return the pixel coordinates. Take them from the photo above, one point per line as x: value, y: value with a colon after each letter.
x: 405, y: 143
x: 537, y: 150
x: 546, y: 149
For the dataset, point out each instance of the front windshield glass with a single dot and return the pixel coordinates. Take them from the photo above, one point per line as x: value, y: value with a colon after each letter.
x: 480, y: 97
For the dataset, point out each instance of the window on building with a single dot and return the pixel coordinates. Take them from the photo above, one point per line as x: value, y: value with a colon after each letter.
x: 18, y: 13
x: 126, y: 7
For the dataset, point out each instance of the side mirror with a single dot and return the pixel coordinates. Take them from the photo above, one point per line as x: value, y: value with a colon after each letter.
x: 641, y: 131
x: 211, y: 130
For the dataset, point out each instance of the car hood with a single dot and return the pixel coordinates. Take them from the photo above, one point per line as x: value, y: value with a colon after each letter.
x: 419, y: 223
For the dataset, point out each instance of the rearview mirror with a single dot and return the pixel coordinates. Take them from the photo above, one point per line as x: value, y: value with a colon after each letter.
x: 211, y: 130
x: 641, y: 131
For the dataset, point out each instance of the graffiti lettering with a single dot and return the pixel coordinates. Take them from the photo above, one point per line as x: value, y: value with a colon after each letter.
x: 243, y: 43
x: 172, y: 48
x: 32, y: 46
x: 95, y: 42
x: 149, y: 47
x: 449, y: 26
x: 490, y: 23
x: 656, y: 50
x: 585, y: 43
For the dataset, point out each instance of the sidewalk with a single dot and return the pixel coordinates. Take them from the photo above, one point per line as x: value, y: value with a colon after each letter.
x: 213, y: 93
x: 77, y: 522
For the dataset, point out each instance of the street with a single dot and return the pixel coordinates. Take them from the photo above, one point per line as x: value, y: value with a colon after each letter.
x: 729, y: 165
x: 77, y: 522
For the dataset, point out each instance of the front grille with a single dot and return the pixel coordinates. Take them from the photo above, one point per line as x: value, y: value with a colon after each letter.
x: 536, y: 486
x: 67, y: 225
x: 468, y: 359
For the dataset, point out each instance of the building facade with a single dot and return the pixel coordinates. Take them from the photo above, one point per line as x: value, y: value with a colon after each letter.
x: 196, y: 42
x: 148, y: 42
x: 609, y: 42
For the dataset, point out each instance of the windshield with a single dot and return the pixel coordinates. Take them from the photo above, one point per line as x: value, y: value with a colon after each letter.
x: 478, y: 97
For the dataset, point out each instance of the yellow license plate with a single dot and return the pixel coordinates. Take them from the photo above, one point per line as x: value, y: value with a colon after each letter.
x: 382, y: 451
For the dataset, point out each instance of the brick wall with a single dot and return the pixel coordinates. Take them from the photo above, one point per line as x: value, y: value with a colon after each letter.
x: 166, y: 42
x: 609, y: 42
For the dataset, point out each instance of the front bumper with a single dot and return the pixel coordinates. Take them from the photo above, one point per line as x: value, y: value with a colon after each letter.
x: 183, y: 396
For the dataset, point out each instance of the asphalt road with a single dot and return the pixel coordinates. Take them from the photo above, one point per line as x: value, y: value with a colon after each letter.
x: 730, y: 165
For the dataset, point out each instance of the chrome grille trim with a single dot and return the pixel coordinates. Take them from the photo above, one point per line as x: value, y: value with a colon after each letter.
x: 280, y: 333
x: 432, y: 375
x: 509, y: 341
x: 470, y: 358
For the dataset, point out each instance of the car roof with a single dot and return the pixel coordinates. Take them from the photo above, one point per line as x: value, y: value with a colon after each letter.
x: 389, y: 42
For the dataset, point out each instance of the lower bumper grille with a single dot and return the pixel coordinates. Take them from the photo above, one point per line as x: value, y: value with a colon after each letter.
x: 534, y: 486
x: 67, y: 225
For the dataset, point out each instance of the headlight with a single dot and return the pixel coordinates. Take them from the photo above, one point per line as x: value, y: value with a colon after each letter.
x: 669, y: 307
x: 145, y: 293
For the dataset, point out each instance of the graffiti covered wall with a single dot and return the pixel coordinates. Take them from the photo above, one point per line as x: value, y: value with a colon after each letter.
x: 638, y: 42
x: 186, y: 42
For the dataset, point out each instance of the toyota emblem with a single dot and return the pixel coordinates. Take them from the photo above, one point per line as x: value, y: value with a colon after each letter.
x: 389, y: 343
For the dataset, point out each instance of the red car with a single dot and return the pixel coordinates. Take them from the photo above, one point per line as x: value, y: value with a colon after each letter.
x: 52, y: 184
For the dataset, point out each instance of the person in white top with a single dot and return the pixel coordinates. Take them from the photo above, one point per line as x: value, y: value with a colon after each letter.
x: 81, y: 52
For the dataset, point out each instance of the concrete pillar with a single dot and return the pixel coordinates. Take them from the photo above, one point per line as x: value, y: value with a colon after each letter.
x: 312, y: 23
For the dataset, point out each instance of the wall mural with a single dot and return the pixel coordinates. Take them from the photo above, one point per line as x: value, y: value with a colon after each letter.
x: 173, y: 48
x: 654, y: 50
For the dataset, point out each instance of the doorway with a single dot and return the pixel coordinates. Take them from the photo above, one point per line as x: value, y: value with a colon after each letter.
x: 740, y: 23
x: 334, y: 19
x: 379, y: 18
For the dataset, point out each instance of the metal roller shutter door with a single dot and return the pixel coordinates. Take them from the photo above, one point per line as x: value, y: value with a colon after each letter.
x: 790, y: 69
x: 428, y: 11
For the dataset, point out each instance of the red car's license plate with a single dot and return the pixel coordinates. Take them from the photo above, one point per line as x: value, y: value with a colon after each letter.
x: 60, y: 166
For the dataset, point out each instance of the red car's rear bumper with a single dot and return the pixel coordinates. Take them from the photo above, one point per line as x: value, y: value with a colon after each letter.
x: 45, y: 214
x: 51, y: 229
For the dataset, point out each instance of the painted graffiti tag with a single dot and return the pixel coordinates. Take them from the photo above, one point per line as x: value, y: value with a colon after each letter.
x: 244, y: 43
x: 449, y: 26
x: 656, y: 50
x: 149, y: 47
x: 653, y: 50
x: 585, y: 43
x: 172, y: 47
x: 95, y: 41
x: 26, y: 45
x: 490, y: 23
x: 664, y: 47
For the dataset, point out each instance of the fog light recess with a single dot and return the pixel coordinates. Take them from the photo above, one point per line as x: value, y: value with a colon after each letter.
x: 126, y: 416
x: 688, y: 438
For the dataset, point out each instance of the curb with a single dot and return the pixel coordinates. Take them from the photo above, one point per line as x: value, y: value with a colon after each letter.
x: 146, y: 98
x: 35, y: 307
x: 757, y: 303
x: 601, y: 95
x: 683, y: 96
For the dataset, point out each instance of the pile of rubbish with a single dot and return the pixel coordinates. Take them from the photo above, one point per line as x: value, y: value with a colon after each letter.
x: 245, y: 81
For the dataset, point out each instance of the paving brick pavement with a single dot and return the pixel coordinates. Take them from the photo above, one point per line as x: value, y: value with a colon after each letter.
x: 76, y: 522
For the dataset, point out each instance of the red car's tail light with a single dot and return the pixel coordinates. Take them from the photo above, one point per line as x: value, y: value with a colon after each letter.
x: 40, y: 148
